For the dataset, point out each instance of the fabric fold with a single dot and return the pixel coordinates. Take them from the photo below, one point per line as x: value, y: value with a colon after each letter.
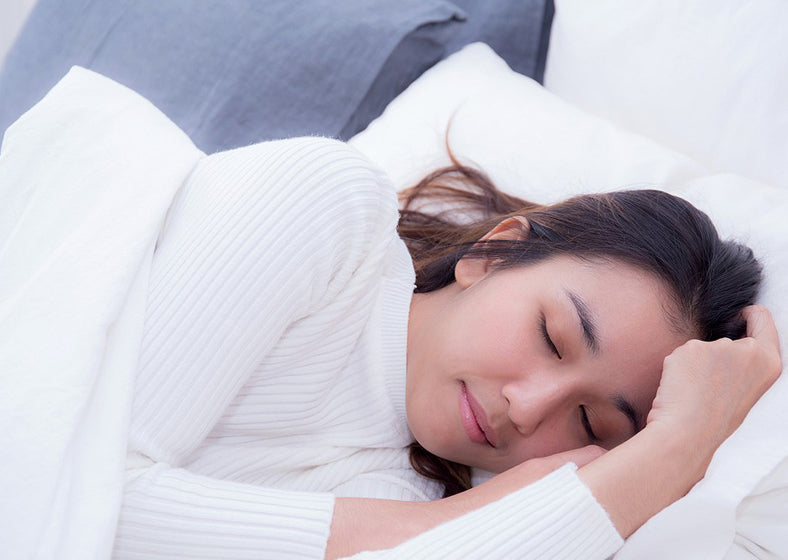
x: 83, y: 203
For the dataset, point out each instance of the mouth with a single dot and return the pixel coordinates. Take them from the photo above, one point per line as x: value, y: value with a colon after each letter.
x: 474, y: 420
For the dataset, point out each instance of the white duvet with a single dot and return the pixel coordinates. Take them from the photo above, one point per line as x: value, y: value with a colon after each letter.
x: 85, y: 180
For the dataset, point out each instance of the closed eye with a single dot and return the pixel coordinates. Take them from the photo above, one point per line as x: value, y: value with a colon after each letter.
x: 546, y: 336
x: 587, y: 425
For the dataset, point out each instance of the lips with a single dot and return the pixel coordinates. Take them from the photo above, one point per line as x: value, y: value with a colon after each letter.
x: 474, y: 420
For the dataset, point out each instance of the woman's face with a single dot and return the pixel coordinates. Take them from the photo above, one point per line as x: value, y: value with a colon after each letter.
x: 508, y: 365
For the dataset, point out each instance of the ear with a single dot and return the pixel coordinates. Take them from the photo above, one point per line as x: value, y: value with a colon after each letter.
x: 469, y: 270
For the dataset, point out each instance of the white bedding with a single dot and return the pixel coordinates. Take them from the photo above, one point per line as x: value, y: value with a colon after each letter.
x: 708, y: 78
x: 85, y: 178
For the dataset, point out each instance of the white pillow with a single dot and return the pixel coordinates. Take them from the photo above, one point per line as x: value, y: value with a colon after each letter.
x: 708, y: 78
x: 537, y: 146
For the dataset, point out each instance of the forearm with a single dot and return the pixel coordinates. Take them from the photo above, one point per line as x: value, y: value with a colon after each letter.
x: 555, y: 517
x: 372, y: 524
x: 642, y: 476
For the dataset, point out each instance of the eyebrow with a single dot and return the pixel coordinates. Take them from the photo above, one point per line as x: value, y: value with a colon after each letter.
x: 625, y: 407
x: 591, y: 337
x: 587, y: 322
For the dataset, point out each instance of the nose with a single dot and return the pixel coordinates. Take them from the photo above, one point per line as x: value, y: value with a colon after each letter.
x: 534, y: 400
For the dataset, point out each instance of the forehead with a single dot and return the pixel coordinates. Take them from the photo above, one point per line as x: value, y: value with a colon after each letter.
x: 630, y: 309
x: 599, y: 279
x: 631, y: 312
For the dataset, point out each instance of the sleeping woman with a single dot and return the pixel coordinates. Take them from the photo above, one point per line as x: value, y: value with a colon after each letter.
x: 298, y: 398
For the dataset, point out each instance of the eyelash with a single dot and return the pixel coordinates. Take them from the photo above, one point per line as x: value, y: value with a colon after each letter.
x: 583, y: 415
x: 546, y: 336
x: 587, y: 425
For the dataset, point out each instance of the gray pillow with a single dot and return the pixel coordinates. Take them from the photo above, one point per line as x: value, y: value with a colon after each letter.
x: 517, y: 30
x: 235, y: 72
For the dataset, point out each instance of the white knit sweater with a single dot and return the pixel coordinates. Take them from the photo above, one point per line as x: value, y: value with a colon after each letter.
x: 272, y: 375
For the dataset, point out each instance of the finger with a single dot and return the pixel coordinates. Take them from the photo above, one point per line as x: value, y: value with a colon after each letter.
x: 760, y: 325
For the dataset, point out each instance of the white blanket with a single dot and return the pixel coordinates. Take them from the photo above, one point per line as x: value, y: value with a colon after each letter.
x: 86, y: 177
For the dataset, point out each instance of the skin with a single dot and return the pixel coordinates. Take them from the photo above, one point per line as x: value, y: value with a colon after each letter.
x: 704, y: 391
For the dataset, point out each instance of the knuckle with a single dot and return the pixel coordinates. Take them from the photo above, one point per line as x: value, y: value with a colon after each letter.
x: 694, y: 346
x: 724, y: 345
x: 748, y: 344
x: 762, y: 309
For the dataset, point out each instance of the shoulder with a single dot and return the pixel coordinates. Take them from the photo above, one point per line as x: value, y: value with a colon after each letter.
x: 315, y: 203
x: 309, y: 169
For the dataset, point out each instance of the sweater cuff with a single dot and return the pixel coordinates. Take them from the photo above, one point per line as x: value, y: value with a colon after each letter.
x: 556, y: 517
x: 172, y: 513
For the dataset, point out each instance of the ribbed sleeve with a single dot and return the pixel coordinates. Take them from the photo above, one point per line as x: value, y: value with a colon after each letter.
x: 555, y: 518
x: 171, y: 513
x: 262, y: 237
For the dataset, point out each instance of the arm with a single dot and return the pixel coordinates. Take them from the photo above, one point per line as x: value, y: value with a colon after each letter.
x: 556, y: 517
x: 502, y: 518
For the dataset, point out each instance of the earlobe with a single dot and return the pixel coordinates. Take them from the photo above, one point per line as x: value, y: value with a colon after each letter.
x: 471, y: 269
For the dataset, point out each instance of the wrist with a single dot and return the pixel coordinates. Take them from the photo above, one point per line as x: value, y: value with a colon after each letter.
x: 645, y: 474
x: 684, y: 449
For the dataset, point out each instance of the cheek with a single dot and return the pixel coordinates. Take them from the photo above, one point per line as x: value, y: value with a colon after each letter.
x: 502, y: 339
x: 430, y: 414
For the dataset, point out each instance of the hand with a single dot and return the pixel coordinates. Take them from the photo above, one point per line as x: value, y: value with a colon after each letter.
x: 707, y: 388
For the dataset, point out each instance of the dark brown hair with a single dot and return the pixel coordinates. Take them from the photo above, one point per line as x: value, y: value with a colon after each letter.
x: 710, y: 280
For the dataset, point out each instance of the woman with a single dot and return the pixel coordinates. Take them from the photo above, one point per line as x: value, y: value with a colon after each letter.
x: 287, y: 367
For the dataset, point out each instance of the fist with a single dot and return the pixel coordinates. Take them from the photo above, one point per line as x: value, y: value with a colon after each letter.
x: 707, y: 388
